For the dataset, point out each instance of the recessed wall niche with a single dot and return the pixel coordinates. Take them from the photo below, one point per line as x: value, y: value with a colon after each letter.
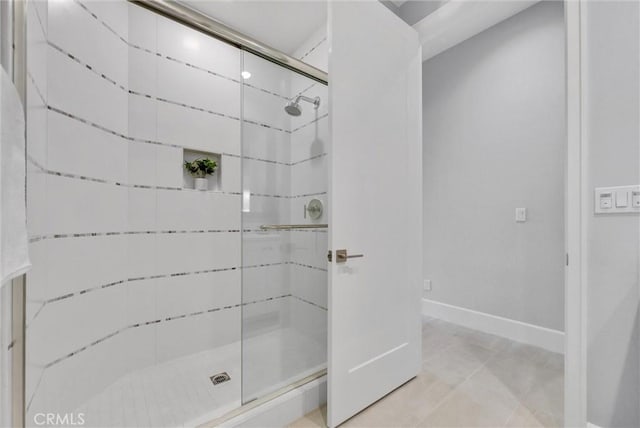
x: 213, y: 181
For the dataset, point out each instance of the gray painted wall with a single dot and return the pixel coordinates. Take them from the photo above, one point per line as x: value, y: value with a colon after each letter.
x: 494, y: 140
x: 612, y: 131
x: 413, y: 11
x: 392, y: 7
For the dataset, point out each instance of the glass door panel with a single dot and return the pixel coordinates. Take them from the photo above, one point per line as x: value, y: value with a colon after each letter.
x: 284, y: 246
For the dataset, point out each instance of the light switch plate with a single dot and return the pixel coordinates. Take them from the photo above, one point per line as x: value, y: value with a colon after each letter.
x: 622, y: 198
x: 605, y: 201
x: 521, y: 215
x: 427, y: 285
x: 617, y: 200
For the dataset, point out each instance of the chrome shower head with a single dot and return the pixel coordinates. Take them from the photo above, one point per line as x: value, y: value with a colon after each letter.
x: 293, y: 106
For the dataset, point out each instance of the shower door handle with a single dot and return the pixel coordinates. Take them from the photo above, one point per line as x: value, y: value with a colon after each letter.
x: 342, y: 256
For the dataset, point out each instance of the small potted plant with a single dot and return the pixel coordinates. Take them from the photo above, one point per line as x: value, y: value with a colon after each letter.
x: 199, y: 170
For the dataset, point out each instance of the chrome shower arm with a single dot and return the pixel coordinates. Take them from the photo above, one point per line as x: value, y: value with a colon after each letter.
x: 315, y: 101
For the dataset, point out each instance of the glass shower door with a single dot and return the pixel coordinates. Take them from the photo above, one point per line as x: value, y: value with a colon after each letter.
x: 284, y: 246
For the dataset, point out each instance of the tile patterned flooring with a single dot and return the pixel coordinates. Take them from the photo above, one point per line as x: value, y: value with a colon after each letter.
x: 469, y: 379
x: 178, y: 393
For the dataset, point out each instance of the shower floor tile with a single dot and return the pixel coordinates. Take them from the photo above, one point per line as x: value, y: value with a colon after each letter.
x: 174, y: 393
x: 179, y: 393
x: 469, y: 379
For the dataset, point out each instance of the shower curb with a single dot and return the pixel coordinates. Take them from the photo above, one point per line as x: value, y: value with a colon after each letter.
x: 280, y: 408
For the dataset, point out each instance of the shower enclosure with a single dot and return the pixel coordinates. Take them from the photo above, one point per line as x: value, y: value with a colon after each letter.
x: 151, y: 303
x: 284, y: 277
x: 158, y: 298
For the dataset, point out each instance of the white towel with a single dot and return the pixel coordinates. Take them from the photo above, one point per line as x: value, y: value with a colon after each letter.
x: 14, y: 256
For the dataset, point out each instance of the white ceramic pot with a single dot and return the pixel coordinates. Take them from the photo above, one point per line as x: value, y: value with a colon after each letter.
x: 201, y: 183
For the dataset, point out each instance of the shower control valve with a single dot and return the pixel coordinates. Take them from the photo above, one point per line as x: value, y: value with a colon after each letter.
x: 314, y: 209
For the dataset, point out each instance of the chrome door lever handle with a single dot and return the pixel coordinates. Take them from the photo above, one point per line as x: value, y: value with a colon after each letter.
x: 342, y: 256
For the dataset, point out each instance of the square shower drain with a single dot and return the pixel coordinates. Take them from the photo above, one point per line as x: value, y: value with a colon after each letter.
x: 220, y: 377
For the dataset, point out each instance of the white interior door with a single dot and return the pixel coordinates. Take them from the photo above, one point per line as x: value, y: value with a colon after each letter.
x: 375, y: 205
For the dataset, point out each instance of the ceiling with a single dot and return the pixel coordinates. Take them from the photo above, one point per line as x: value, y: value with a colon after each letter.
x: 283, y: 25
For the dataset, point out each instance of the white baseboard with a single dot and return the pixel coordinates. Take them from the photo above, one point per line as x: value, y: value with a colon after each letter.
x: 590, y: 425
x: 552, y: 340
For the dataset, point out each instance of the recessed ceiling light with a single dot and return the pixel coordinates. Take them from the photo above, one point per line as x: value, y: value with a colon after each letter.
x: 245, y: 74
